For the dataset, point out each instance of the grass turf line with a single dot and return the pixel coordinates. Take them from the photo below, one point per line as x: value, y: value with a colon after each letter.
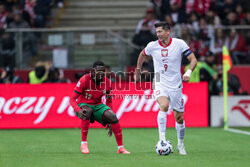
x: 61, y: 147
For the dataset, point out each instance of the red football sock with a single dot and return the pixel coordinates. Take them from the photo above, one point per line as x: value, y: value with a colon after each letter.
x: 118, y: 133
x: 84, y: 129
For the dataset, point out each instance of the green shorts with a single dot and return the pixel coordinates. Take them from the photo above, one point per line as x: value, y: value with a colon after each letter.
x: 97, y: 109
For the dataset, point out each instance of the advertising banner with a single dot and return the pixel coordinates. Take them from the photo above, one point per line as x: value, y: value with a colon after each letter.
x: 47, y: 106
x: 238, y: 111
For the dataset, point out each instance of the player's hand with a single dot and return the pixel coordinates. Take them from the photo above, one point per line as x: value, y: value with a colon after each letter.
x: 137, y: 75
x: 187, y: 75
x: 109, y: 128
x: 186, y: 78
x: 82, y: 114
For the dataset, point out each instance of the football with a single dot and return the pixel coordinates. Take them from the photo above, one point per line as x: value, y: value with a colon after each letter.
x: 163, y: 147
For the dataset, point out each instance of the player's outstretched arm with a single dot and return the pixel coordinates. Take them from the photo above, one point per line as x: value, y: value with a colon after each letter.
x: 140, y: 61
x: 193, y: 63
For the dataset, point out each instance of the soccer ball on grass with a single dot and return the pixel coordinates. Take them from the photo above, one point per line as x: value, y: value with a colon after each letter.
x: 163, y: 147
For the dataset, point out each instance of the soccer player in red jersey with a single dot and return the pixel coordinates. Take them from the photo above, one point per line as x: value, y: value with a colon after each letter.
x: 87, y: 103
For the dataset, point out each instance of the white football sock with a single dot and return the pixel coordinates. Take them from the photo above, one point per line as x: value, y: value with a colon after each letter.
x: 82, y: 142
x: 162, y: 121
x: 180, y: 128
x: 120, y: 147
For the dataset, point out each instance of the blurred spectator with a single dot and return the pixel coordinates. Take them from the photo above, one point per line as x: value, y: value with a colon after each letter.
x: 229, y: 6
x: 204, y: 71
x: 189, y: 6
x: 198, y: 6
x: 7, y: 47
x: 185, y: 34
x: 240, y: 13
x: 175, y: 28
x: 234, y: 86
x: 144, y: 36
x: 18, y: 21
x: 247, y: 18
x: 8, y: 76
x: 29, y: 7
x: 160, y: 7
x: 194, y: 22
x: 41, y: 10
x: 208, y: 71
x: 210, y: 61
x: 149, y: 19
x: 56, y: 76
x: 206, y: 30
x: 216, y: 43
x: 198, y: 45
x: 38, y: 75
x: 141, y: 39
x: 213, y: 19
x: 25, y: 15
x: 236, y: 45
x: 177, y: 14
x: 29, y: 39
x: 201, y: 6
x: 9, y: 4
x: 3, y: 16
x: 231, y: 19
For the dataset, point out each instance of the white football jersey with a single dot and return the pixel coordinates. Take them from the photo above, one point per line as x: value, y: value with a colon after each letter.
x: 167, y: 62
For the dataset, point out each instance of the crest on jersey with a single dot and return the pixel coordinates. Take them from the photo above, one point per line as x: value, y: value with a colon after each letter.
x: 104, y: 91
x: 164, y: 52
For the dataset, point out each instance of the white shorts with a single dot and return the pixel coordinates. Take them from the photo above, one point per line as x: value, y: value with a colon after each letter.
x: 175, y: 97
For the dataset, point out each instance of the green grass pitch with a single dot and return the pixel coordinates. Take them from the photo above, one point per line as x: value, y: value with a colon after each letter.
x: 61, y: 147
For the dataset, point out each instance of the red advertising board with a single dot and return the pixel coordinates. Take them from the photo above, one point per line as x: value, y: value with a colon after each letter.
x: 47, y: 106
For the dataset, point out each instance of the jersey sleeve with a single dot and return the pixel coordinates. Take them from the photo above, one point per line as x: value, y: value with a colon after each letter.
x: 148, y: 49
x: 80, y: 86
x: 185, y: 50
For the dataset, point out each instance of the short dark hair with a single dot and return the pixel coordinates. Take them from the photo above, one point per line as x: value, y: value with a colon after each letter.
x: 164, y: 25
x: 98, y: 63
x: 40, y: 71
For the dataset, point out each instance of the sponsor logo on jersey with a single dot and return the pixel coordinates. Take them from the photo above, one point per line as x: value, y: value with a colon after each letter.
x: 164, y: 60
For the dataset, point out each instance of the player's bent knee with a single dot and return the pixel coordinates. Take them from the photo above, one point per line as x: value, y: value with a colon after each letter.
x: 114, y: 120
x: 164, y: 108
x: 110, y: 117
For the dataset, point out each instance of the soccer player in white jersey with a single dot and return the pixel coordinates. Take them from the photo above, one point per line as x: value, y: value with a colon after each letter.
x: 167, y: 54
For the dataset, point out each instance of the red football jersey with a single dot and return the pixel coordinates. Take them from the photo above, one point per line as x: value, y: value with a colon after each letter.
x: 90, y: 92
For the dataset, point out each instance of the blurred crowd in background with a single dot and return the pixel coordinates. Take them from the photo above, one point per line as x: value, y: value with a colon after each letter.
x: 15, y: 14
x: 203, y: 24
x: 26, y: 13
x: 206, y: 25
